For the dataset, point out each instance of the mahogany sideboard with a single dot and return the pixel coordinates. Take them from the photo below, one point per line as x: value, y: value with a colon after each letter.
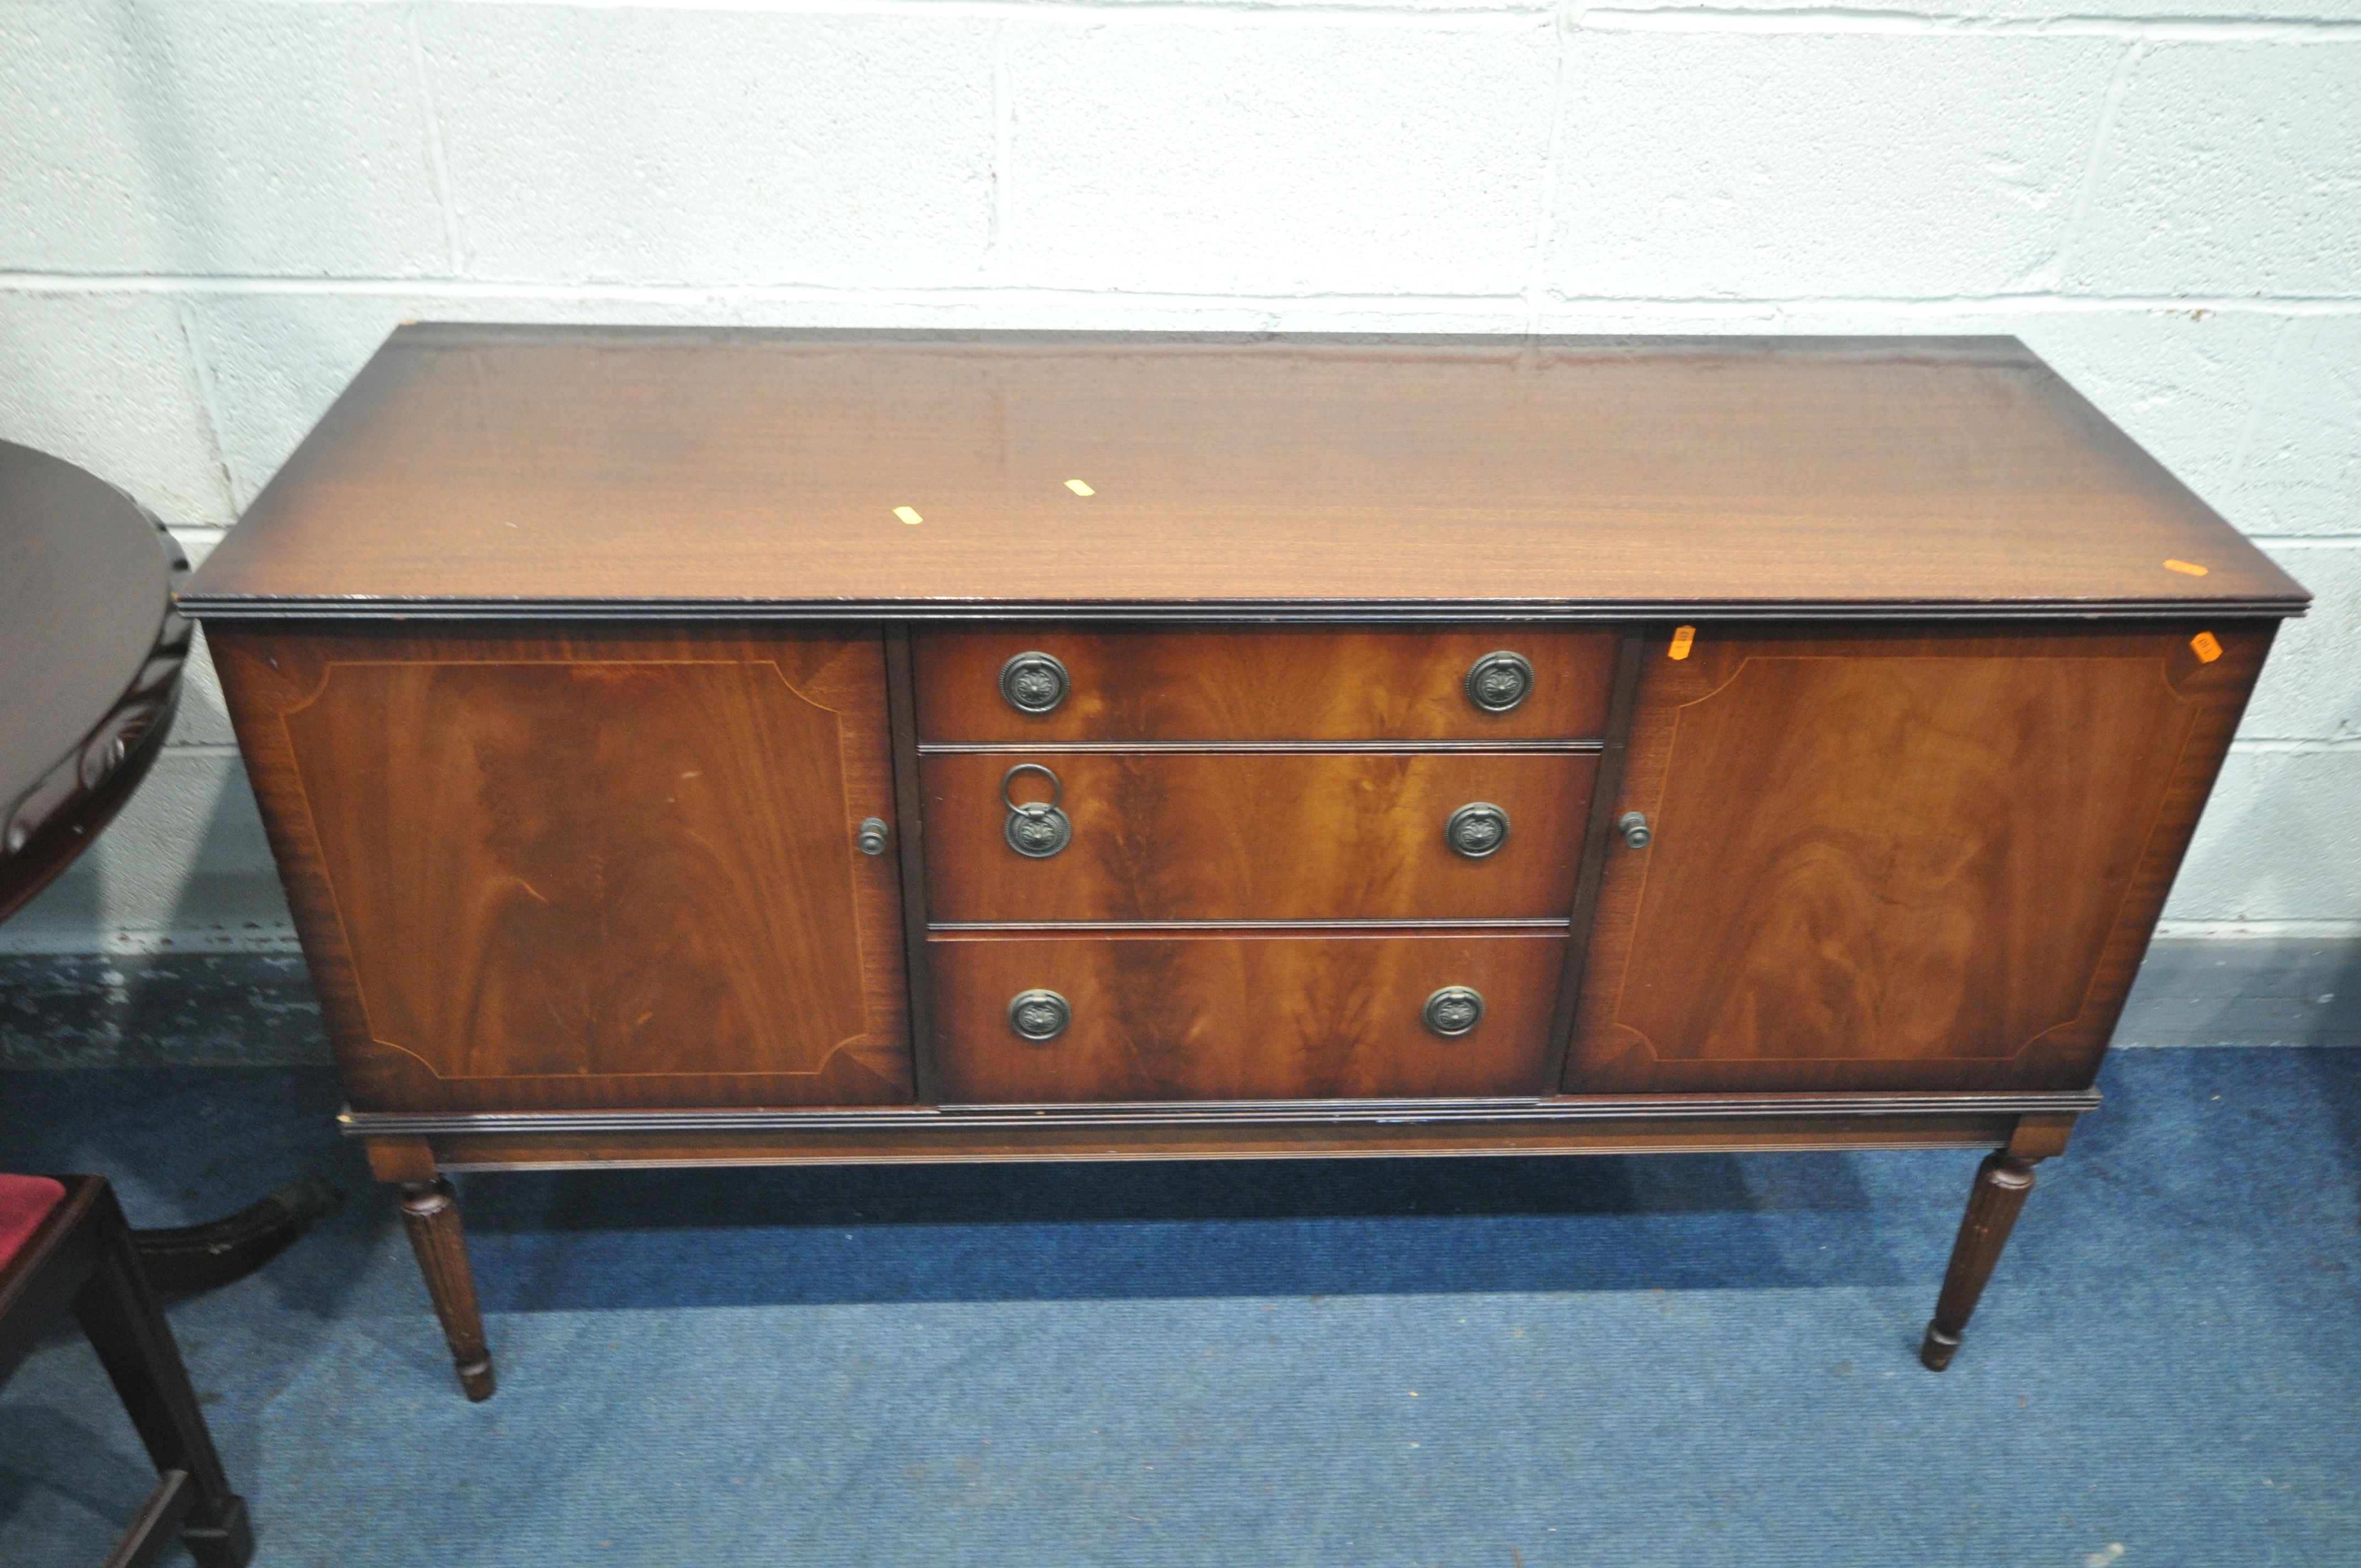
x: 734, y: 747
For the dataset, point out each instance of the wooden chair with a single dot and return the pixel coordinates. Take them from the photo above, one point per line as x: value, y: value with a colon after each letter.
x: 64, y: 1244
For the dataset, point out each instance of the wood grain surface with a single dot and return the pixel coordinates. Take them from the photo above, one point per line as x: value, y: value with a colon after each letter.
x: 569, y: 471
x: 1249, y: 835
x: 1261, y: 684
x: 595, y: 871
x: 1242, y: 1017
x: 1898, y: 860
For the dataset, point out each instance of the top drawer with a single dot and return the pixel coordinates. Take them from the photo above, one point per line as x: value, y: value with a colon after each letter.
x: 1262, y: 684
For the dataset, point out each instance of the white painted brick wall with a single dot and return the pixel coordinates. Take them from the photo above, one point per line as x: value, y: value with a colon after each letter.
x: 1741, y: 166
x: 720, y: 147
x: 210, y: 210
x: 1317, y: 156
x: 2229, y: 169
x: 214, y: 137
x: 108, y: 380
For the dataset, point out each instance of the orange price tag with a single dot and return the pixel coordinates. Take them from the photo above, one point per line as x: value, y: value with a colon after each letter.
x: 1683, y: 638
x: 2209, y: 647
x: 2186, y: 568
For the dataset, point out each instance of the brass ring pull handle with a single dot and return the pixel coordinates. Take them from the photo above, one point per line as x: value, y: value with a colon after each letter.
x: 1038, y: 1015
x: 1477, y: 830
x: 1498, y: 682
x: 1034, y: 683
x: 1037, y: 829
x: 1454, y: 1011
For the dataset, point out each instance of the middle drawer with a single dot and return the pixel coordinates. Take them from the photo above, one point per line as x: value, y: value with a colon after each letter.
x: 1160, y: 836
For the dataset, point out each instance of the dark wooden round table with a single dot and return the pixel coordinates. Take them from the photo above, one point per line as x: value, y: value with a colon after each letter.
x: 91, y: 653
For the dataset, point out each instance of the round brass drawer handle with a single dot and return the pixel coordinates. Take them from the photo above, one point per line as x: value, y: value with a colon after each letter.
x: 1477, y: 830
x: 1034, y: 683
x: 1498, y: 682
x: 1038, y: 1015
x: 1037, y: 829
x: 1454, y: 1011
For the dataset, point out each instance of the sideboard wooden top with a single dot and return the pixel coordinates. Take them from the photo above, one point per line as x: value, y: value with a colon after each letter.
x: 584, y: 472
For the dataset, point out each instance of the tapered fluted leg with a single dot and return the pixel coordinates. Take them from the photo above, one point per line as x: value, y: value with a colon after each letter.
x: 2001, y: 1182
x: 431, y: 1210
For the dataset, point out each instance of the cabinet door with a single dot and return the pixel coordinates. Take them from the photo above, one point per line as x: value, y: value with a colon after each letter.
x: 1928, y: 859
x: 583, y: 871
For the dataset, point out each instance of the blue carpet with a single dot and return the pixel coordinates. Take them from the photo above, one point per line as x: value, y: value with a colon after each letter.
x: 1674, y: 1360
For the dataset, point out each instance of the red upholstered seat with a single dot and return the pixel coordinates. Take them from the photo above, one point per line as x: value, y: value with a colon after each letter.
x: 25, y: 1202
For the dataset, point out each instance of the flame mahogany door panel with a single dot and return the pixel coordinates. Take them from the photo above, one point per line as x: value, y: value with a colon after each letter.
x: 554, y: 870
x: 1915, y: 859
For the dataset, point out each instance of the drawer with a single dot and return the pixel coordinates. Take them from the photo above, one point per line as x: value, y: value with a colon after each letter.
x: 1240, y: 1017
x: 1231, y: 684
x: 1256, y: 836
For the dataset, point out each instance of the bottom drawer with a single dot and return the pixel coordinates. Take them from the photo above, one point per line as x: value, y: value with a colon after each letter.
x: 1245, y: 1017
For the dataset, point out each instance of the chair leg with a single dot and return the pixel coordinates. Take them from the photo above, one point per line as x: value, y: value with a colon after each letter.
x: 119, y: 1311
x: 431, y: 1210
x: 150, y: 1538
x: 1998, y: 1196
